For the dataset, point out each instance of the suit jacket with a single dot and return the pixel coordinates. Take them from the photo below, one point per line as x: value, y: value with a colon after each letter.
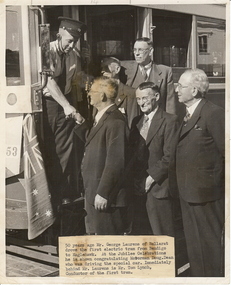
x: 197, y: 159
x: 104, y: 160
x: 152, y: 156
x: 160, y: 75
x: 126, y: 102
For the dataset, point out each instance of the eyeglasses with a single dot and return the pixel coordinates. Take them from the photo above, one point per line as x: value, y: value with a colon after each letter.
x: 140, y: 50
x: 144, y: 99
x: 179, y: 86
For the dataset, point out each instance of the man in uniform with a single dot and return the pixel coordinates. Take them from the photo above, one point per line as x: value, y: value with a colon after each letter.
x: 196, y: 174
x: 143, y: 69
x: 58, y: 109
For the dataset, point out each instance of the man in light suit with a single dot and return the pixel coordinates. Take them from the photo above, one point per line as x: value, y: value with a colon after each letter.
x: 144, y: 69
x: 126, y: 97
x: 151, y: 137
x: 104, y: 161
x: 196, y: 175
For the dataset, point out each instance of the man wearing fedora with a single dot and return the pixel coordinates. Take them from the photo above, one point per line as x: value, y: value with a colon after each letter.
x: 58, y: 109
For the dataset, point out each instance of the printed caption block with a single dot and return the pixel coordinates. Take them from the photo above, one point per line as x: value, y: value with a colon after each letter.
x: 117, y: 256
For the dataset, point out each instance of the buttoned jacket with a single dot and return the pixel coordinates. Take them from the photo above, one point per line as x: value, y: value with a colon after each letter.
x: 196, y: 169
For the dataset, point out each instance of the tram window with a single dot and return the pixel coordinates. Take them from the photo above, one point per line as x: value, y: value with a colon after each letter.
x: 14, y: 59
x: 211, y: 46
x: 171, y: 37
x: 171, y: 40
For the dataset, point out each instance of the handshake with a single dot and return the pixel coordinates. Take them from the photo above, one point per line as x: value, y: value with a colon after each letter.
x: 76, y: 116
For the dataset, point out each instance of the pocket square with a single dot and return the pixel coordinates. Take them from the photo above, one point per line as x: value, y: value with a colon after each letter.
x: 197, y: 128
x: 122, y: 110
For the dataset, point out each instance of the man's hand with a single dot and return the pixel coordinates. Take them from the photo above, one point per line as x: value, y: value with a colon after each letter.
x: 100, y: 203
x: 69, y: 111
x: 78, y: 118
x: 148, y: 183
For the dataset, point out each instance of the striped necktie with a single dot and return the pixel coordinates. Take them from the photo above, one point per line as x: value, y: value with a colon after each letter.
x: 145, y: 127
x: 186, y: 117
x: 144, y: 73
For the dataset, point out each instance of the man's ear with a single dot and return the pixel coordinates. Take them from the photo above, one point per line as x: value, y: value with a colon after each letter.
x: 103, y: 97
x: 117, y: 69
x: 151, y: 51
x: 157, y: 96
x: 194, y: 92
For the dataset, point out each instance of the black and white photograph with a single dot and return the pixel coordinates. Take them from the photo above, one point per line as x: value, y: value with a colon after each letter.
x: 116, y: 123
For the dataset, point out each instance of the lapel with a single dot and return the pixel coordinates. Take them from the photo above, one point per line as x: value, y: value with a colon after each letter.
x: 156, y: 75
x: 133, y: 72
x: 156, y: 122
x: 95, y: 129
x: 195, y: 117
x: 140, y: 121
x: 121, y: 96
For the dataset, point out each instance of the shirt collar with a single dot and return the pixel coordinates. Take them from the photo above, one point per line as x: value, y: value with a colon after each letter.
x: 60, y: 53
x: 151, y: 115
x: 192, y: 108
x: 99, y: 115
x: 146, y: 67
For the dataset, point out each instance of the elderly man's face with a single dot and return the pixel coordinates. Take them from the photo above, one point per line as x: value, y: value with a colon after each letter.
x: 142, y: 52
x: 185, y: 90
x: 95, y: 95
x: 67, y: 41
x: 147, y: 100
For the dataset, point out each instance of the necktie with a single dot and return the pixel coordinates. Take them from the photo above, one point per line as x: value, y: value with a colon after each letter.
x: 145, y: 127
x: 144, y: 73
x: 95, y: 123
x: 62, y: 77
x: 186, y: 117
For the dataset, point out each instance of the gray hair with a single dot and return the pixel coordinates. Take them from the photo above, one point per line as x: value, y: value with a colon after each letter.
x: 199, y: 80
x: 109, y: 87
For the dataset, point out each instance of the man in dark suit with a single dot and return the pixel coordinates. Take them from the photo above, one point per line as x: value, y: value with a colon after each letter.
x: 104, y: 161
x: 144, y: 69
x: 197, y: 175
x: 126, y: 97
x: 151, y: 137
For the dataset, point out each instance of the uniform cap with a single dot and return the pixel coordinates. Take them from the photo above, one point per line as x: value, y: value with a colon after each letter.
x: 74, y: 27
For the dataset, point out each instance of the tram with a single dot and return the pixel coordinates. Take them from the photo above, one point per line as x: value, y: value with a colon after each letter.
x: 188, y: 36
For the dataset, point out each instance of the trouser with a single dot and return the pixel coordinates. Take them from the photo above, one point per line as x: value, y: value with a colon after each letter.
x: 160, y: 215
x: 203, y: 227
x: 58, y: 150
x: 109, y: 222
x: 139, y: 221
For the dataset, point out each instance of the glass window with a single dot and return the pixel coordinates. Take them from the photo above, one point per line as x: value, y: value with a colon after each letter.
x: 203, y: 43
x: 14, y: 54
x: 211, y: 46
x: 171, y: 40
x: 111, y: 32
x: 171, y: 37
